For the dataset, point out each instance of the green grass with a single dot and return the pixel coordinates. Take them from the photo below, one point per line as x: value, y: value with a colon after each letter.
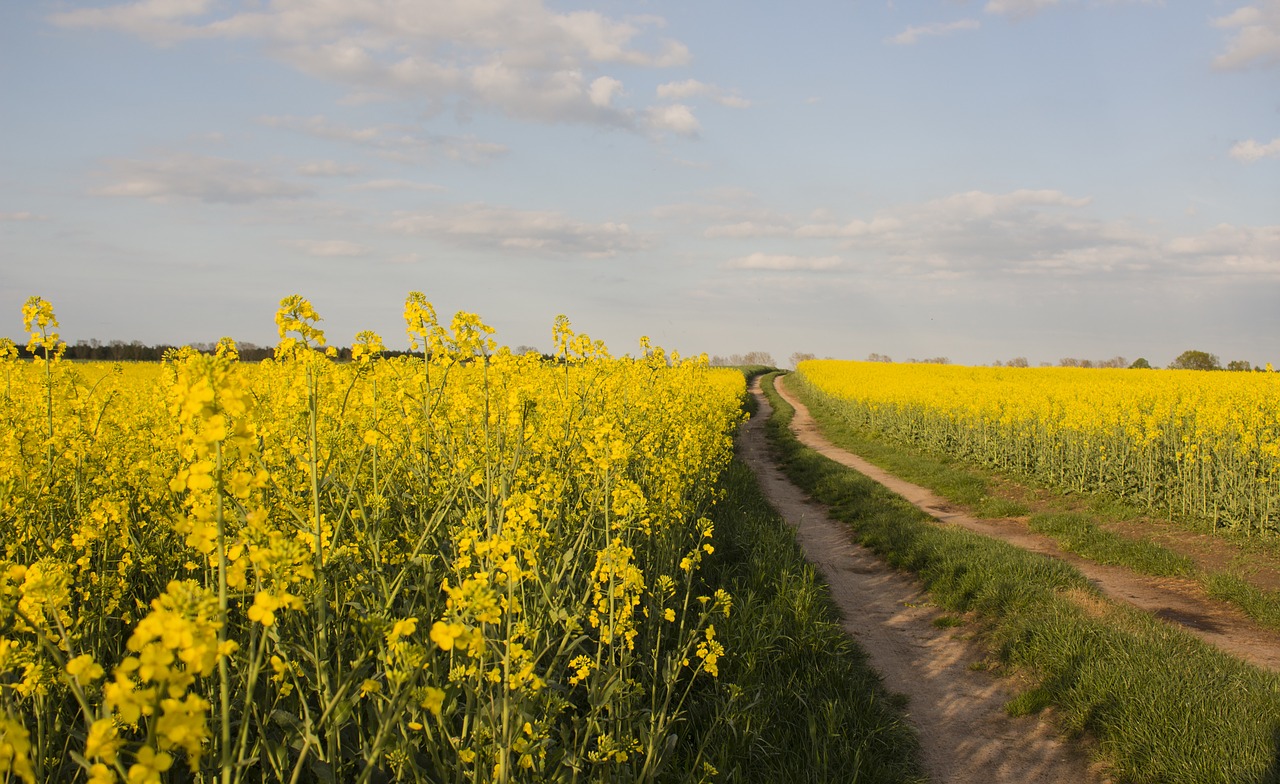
x: 1079, y: 534
x: 1162, y: 705
x: 1262, y: 606
x: 796, y: 700
x: 969, y: 485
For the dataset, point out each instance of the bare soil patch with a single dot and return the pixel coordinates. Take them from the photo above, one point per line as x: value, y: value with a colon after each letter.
x: 956, y: 706
x: 1178, y: 601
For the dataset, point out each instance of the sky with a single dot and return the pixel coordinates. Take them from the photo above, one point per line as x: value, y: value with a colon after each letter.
x: 978, y: 180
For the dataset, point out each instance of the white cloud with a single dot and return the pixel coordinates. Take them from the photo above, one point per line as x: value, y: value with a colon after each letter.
x: 603, y: 91
x: 330, y: 248
x: 1250, y: 252
x: 692, y: 88
x: 763, y: 261
x: 605, y: 40
x: 541, y: 232
x: 516, y: 56
x: 747, y: 228
x: 676, y: 118
x: 1250, y: 150
x: 20, y: 217
x: 1018, y: 8
x: 399, y: 142
x: 158, y: 21
x: 1255, y: 36
x: 983, y: 237
x: 328, y: 169
x: 396, y: 185
x: 913, y: 34
x: 199, y: 177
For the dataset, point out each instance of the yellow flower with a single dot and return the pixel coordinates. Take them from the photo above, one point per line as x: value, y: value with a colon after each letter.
x: 402, y: 628
x: 103, y: 742
x: 434, y: 701
x: 710, y: 650
x: 84, y: 669
x: 15, y: 751
x: 150, y: 765
x: 446, y: 634
x: 101, y: 774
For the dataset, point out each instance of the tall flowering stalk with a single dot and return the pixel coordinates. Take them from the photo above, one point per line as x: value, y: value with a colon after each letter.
x: 462, y: 566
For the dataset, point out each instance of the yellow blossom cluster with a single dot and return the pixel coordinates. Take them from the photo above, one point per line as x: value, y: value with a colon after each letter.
x: 459, y: 564
x: 1192, y: 442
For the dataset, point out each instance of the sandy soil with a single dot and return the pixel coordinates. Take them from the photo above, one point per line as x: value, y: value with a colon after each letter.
x: 1178, y: 601
x: 958, y: 711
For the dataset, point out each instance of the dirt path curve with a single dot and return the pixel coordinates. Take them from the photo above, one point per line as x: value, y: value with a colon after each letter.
x: 965, y: 734
x: 1179, y: 601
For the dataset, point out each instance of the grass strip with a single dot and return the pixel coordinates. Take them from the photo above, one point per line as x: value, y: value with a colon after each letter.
x: 1163, y: 705
x: 796, y: 699
x: 965, y: 484
x: 1079, y: 534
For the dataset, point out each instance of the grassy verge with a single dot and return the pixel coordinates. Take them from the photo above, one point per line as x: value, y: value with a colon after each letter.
x: 796, y: 700
x: 1076, y: 532
x: 1162, y: 705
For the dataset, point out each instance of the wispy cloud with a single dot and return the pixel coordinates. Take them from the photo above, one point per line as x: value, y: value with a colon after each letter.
x: 330, y: 248
x: 401, y: 142
x: 676, y: 118
x: 1255, y: 36
x: 328, y: 169
x: 197, y: 177
x: 991, y: 236
x: 782, y: 263
x: 517, y: 57
x: 396, y: 185
x: 692, y: 88
x: 913, y: 34
x: 523, y: 232
x: 1018, y: 8
x: 1250, y: 150
x: 20, y: 217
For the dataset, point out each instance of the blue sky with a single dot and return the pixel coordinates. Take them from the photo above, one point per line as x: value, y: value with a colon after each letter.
x: 976, y: 180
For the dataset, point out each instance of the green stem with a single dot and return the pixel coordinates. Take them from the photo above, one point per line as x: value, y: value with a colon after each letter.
x: 224, y: 675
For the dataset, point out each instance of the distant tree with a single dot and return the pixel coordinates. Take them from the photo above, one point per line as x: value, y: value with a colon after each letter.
x: 756, y: 358
x: 1196, y: 360
x: 801, y: 356
x: 1017, y: 362
x: 1140, y: 363
x: 874, y: 357
x: 719, y: 361
x: 1239, y: 364
x: 1114, y: 362
x: 936, y: 361
x: 518, y: 350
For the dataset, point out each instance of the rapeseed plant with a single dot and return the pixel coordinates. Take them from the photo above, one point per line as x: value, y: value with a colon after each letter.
x: 457, y: 566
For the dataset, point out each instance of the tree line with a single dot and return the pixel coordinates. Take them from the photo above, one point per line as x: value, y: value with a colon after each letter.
x: 137, y: 351
x: 1187, y: 360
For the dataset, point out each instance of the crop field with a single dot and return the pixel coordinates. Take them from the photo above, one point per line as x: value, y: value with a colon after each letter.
x: 1201, y: 445
x: 466, y: 565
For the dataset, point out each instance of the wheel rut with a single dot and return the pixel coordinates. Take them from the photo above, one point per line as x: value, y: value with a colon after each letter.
x: 957, y: 709
x: 1178, y: 601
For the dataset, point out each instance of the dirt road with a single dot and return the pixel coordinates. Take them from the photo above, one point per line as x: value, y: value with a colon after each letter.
x: 1179, y: 601
x: 966, y: 736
